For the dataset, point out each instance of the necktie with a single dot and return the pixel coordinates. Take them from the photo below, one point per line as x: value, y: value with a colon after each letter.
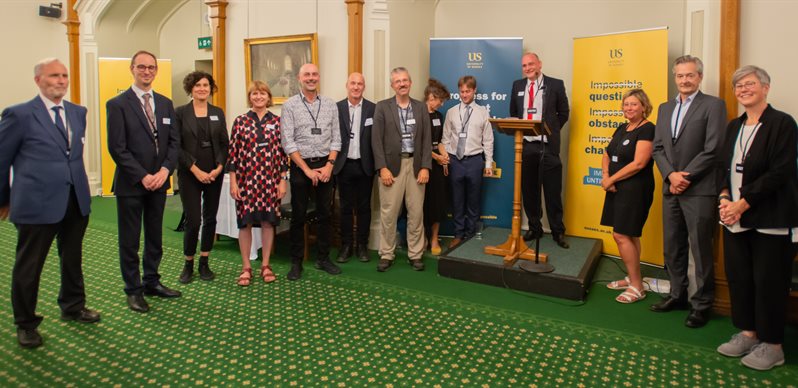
x: 531, y: 100
x: 150, y: 118
x: 461, y: 142
x: 676, y: 124
x: 59, y: 123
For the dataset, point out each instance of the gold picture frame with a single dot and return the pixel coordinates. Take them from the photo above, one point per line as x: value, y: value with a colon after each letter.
x: 276, y: 61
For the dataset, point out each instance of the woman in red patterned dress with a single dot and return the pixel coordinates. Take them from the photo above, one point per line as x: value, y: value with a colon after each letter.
x: 258, y: 168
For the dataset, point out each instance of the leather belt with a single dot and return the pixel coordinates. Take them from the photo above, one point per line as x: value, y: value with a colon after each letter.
x: 406, y: 155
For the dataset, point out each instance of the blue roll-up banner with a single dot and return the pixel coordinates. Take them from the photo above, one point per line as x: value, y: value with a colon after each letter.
x: 496, y: 63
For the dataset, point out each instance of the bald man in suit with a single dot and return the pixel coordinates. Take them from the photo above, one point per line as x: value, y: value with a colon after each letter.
x: 42, y: 140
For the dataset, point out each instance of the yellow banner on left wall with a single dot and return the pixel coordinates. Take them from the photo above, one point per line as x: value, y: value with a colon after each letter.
x: 115, y: 78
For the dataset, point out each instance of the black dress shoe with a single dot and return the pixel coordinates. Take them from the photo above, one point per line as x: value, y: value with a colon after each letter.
x: 560, y: 240
x: 667, y: 304
x: 417, y: 265
x: 530, y: 235
x: 295, y: 272
x: 344, y: 254
x: 328, y: 266
x: 697, y: 318
x: 363, y: 253
x: 161, y: 291
x: 29, y: 338
x: 83, y: 316
x: 137, y: 303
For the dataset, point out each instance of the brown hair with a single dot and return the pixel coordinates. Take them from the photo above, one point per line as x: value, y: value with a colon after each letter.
x: 143, y: 52
x: 468, y: 80
x: 642, y: 97
x: 192, y: 78
x: 436, y: 89
x: 262, y: 87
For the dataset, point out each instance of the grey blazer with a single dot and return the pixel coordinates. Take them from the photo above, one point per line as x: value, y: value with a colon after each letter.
x: 386, y: 139
x: 696, y: 147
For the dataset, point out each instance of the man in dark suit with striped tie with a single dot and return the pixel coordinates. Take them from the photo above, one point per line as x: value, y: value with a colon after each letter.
x: 42, y: 140
x: 144, y: 143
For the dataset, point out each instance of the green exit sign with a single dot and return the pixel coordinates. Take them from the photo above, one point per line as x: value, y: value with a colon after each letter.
x: 204, y: 43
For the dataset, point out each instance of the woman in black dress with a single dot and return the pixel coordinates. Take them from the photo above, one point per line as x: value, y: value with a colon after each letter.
x: 203, y: 155
x: 628, y: 179
x: 435, y: 94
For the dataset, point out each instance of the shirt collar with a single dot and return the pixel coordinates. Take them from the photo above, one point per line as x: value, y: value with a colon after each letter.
x: 356, y: 105
x: 49, y: 104
x: 140, y: 93
x: 689, y: 98
x: 472, y: 104
x: 539, y: 80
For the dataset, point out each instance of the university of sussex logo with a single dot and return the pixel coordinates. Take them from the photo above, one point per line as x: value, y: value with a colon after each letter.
x: 474, y: 60
x: 616, y: 57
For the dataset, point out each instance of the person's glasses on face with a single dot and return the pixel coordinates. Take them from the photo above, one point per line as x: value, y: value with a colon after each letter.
x: 143, y: 68
x: 745, y: 86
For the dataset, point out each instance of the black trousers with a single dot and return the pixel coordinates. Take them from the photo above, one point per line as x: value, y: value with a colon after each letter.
x: 354, y: 191
x: 759, y: 270
x: 302, y: 190
x: 33, y: 244
x: 552, y: 187
x: 130, y: 212
x: 200, y: 204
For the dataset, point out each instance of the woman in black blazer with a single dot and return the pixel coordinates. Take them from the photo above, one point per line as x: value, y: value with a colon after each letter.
x: 203, y: 155
x: 759, y: 209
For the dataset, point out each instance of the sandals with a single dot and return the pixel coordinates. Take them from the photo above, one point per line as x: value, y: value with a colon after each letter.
x: 616, y: 285
x: 245, y: 278
x: 631, y: 295
x: 267, y: 274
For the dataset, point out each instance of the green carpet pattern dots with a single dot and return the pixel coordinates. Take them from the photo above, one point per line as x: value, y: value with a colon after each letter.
x: 327, y: 331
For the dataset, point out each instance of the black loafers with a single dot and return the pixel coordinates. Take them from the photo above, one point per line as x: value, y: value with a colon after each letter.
x: 29, y: 338
x: 83, y: 316
x: 137, y: 303
x: 669, y: 304
x: 161, y: 291
x: 697, y: 318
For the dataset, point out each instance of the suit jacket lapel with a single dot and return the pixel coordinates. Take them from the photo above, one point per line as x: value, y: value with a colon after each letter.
x: 74, y: 128
x: 136, y: 106
x: 43, y: 117
x: 395, y: 115
x: 193, y: 122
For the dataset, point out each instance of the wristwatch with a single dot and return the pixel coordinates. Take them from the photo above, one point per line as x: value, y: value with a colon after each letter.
x: 724, y: 196
x: 331, y: 161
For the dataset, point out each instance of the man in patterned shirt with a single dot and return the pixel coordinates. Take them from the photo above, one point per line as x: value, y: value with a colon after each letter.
x: 312, y: 139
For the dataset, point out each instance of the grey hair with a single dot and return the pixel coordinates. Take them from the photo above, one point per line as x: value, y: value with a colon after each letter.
x: 689, y: 59
x: 758, y: 72
x: 400, y: 69
x: 37, y: 69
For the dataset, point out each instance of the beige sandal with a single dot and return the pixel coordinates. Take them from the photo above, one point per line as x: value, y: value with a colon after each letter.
x: 245, y: 277
x: 631, y: 295
x: 267, y: 274
x: 616, y: 285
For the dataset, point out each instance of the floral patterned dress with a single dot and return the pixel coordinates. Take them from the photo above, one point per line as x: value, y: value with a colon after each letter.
x: 258, y: 159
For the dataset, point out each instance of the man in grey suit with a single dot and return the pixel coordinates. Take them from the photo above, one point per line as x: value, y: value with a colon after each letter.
x: 401, y: 142
x: 42, y: 140
x: 688, y: 136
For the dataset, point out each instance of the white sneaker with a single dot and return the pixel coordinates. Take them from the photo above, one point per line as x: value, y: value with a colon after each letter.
x: 764, y: 356
x: 739, y: 345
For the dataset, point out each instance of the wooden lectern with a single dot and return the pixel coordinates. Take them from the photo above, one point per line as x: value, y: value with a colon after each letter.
x: 515, y: 248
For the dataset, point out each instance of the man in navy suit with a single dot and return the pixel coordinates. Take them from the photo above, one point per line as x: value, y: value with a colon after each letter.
x: 144, y: 143
x: 540, y: 97
x: 354, y: 168
x: 42, y: 140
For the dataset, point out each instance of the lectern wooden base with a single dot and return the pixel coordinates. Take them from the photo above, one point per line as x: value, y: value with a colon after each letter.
x: 513, y: 249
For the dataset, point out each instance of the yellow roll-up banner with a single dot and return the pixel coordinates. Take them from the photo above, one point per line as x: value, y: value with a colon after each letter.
x: 115, y: 78
x: 605, y: 67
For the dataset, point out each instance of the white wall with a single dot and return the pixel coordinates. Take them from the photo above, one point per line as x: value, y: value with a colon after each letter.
x: 261, y: 19
x: 27, y: 38
x: 178, y: 42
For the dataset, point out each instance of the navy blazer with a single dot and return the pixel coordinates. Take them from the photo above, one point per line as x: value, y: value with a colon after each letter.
x: 132, y: 144
x: 697, y: 144
x: 770, y: 172
x: 187, y: 125
x: 555, y: 107
x: 366, y: 157
x: 43, y: 168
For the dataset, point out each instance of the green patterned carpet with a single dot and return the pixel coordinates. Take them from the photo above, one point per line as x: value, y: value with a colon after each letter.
x: 362, y: 328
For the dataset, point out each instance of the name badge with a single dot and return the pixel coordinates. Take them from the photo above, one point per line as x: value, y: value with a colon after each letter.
x: 315, y: 131
x: 463, y: 135
x: 269, y: 126
x: 407, y: 136
x: 739, y: 168
x: 625, y: 142
x: 532, y: 110
x: 205, y: 144
x: 261, y: 145
x: 83, y: 140
x: 369, y: 121
x: 436, y: 122
x: 214, y: 118
x: 434, y: 143
x: 614, y: 159
x: 167, y: 121
x: 520, y: 94
x: 411, y: 121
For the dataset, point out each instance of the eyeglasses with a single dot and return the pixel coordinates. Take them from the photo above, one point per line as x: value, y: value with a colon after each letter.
x: 747, y: 86
x: 146, y: 67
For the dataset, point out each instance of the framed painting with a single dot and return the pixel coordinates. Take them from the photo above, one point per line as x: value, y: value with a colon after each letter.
x: 276, y: 61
